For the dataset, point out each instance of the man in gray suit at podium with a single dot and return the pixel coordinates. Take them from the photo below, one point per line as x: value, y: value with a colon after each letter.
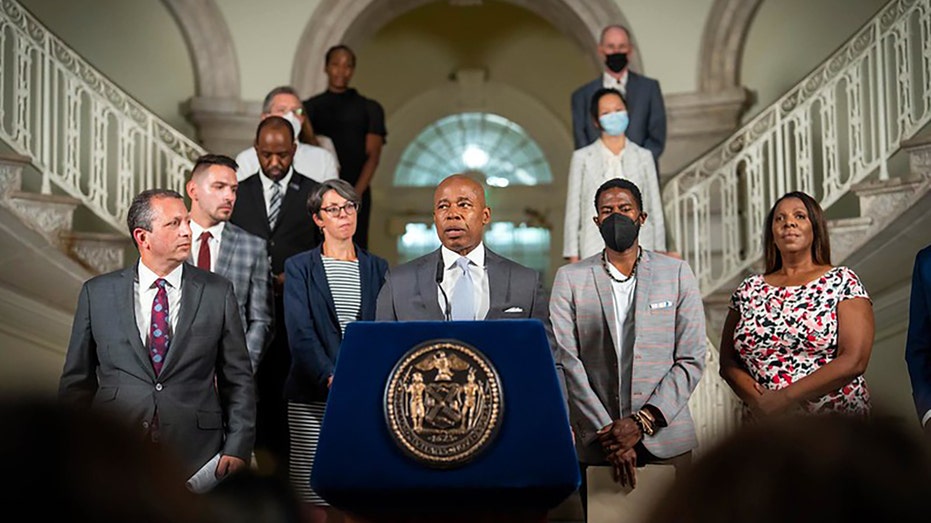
x: 463, y: 279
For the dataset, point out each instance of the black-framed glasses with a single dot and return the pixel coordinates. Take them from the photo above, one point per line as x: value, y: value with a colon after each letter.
x: 335, y: 210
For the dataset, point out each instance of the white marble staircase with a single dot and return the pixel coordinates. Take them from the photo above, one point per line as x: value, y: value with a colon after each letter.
x: 43, y: 263
x: 883, y: 204
x: 51, y: 216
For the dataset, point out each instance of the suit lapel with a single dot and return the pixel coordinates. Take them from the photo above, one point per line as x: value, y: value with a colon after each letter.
x: 255, y: 198
x: 126, y: 307
x: 365, y: 283
x: 426, y: 284
x: 642, y: 293
x: 192, y: 289
x: 606, y: 297
x: 292, y: 197
x: 228, y: 240
x: 499, y: 277
x: 319, y: 282
x: 633, y: 89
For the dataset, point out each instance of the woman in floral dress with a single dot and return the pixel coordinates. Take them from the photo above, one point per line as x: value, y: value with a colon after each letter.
x: 799, y: 336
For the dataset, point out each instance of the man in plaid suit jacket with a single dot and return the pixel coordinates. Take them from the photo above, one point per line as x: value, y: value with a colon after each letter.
x: 630, y: 335
x: 228, y: 250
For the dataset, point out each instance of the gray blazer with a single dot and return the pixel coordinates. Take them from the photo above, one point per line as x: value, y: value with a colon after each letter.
x: 204, y: 393
x: 410, y: 291
x: 243, y: 260
x: 667, y: 360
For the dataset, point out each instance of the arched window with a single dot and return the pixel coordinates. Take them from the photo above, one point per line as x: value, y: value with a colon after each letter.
x: 529, y: 246
x: 486, y: 144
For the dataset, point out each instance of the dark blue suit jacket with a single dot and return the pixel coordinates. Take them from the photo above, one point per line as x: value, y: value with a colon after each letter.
x: 918, y: 346
x: 645, y: 107
x: 310, y: 317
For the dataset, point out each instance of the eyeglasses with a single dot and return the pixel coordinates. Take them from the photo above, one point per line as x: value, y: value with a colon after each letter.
x: 335, y: 210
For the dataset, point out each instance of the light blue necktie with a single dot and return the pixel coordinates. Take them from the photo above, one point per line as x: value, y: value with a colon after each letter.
x: 462, y: 306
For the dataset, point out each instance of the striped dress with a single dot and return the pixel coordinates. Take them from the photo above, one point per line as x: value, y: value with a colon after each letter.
x: 306, y: 419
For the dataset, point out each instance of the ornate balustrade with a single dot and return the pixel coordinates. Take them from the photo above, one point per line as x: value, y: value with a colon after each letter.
x: 82, y: 132
x: 838, y: 126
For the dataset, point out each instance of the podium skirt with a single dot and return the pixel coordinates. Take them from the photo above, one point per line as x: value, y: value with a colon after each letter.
x: 304, y: 423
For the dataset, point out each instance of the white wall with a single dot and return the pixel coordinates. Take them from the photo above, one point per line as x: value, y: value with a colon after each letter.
x: 789, y: 38
x: 265, y: 34
x: 136, y: 43
x: 668, y: 34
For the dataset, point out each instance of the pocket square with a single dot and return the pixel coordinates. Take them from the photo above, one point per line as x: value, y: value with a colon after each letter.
x: 513, y: 309
x: 660, y: 305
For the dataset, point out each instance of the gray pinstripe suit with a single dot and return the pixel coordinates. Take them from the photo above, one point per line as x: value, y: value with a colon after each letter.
x: 666, y: 363
x: 243, y: 260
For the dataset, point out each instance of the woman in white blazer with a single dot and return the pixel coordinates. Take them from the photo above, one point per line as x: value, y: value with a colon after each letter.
x: 612, y: 156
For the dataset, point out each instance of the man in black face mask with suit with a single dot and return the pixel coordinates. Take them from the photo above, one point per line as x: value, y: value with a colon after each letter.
x: 645, y: 106
x: 630, y: 336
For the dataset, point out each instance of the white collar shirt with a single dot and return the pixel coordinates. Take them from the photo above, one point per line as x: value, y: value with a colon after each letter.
x: 282, y: 184
x: 144, y: 290
x: 216, y: 236
x: 479, y: 273
x: 610, y: 82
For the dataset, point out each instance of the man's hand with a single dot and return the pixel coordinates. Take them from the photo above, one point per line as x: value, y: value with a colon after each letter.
x: 620, y: 435
x: 624, y: 467
x: 329, y: 382
x: 228, y: 465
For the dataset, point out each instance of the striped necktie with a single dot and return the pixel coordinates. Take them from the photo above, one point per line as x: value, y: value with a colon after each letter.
x: 274, y: 205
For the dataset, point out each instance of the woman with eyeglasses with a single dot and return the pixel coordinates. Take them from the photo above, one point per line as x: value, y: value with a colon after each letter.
x: 325, y: 289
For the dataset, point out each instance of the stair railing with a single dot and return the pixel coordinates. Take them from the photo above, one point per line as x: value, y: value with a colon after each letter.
x: 82, y: 132
x: 839, y: 125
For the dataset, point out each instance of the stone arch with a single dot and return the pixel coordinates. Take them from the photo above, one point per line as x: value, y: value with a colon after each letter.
x: 723, y: 44
x: 216, y: 68
x: 351, y: 21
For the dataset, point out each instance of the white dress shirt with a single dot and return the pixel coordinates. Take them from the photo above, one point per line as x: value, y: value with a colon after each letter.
x: 144, y: 290
x: 282, y: 184
x: 610, y: 82
x: 623, y: 317
x: 452, y: 273
x: 316, y: 163
x: 216, y: 233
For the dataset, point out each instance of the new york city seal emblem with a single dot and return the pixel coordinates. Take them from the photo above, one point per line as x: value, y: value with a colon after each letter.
x: 443, y: 403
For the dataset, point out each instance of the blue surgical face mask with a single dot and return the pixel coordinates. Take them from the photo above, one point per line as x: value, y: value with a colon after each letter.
x: 614, y: 124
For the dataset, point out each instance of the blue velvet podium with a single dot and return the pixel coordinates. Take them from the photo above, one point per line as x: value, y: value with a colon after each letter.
x: 529, y: 467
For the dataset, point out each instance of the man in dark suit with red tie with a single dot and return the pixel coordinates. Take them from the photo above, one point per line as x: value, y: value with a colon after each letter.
x: 272, y: 204
x: 160, y: 344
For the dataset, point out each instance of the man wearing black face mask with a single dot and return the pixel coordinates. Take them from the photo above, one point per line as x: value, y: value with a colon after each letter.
x: 630, y: 335
x: 645, y: 106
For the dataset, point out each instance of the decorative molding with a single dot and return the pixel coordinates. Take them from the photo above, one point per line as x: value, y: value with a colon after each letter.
x: 208, y: 38
x: 699, y: 113
x: 98, y: 252
x: 350, y: 22
x: 722, y: 44
x: 48, y: 215
x: 224, y: 125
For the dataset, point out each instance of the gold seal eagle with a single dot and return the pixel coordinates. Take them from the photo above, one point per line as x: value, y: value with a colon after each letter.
x: 443, y: 403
